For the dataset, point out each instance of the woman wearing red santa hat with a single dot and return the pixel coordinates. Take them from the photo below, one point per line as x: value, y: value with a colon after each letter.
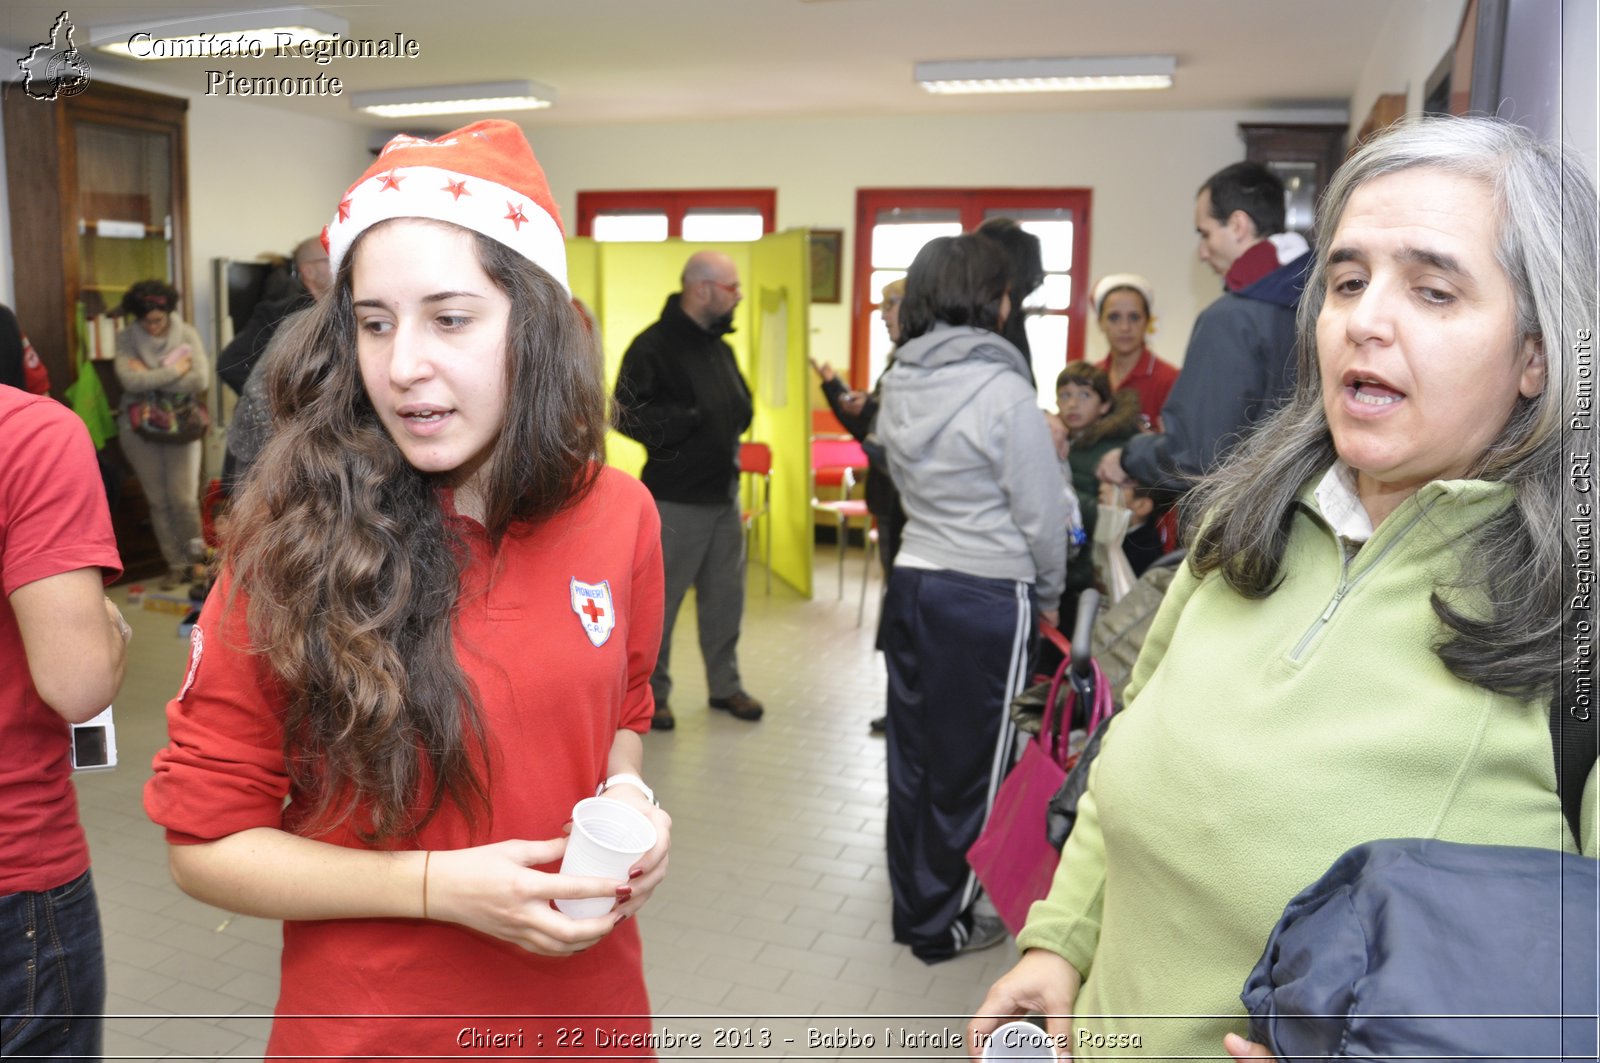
x: 433, y: 636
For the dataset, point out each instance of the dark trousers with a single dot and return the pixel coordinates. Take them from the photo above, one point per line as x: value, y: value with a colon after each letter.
x: 52, y: 973
x: 703, y: 546
x: 957, y: 649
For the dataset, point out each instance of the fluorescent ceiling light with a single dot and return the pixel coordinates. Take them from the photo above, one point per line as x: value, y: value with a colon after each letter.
x: 455, y: 99
x: 1048, y: 75
x: 222, y: 34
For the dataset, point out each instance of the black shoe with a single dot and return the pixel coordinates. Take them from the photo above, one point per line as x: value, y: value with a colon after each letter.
x: 662, y: 720
x: 741, y: 705
x: 878, y: 725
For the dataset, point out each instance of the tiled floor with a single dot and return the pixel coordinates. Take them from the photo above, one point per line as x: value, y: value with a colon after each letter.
x: 775, y: 915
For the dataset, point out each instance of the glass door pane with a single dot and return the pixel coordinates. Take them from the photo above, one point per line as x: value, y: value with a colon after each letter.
x: 124, y: 223
x: 713, y: 226
x: 637, y: 226
x: 897, y: 236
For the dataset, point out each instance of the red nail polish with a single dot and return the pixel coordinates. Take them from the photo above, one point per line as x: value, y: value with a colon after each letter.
x: 635, y: 873
x: 624, y: 892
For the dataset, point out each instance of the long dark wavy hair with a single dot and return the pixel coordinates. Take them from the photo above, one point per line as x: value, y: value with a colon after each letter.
x: 353, y: 570
x: 1544, y: 207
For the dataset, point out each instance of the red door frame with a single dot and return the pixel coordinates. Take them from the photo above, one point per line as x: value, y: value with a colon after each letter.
x: 675, y: 203
x: 973, y: 203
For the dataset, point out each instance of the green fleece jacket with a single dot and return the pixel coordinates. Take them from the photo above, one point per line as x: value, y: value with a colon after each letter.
x: 1261, y: 740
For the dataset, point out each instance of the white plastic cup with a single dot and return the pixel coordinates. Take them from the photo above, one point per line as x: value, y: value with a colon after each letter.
x: 607, y: 837
x: 1019, y: 1040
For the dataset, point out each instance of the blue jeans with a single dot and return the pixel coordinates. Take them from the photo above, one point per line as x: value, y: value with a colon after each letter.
x: 52, y: 973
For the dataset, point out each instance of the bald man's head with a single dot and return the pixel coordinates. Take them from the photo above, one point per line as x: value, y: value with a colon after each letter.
x: 311, y: 266
x: 710, y: 290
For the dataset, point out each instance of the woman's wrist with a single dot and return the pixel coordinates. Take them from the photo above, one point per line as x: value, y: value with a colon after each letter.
x: 628, y: 778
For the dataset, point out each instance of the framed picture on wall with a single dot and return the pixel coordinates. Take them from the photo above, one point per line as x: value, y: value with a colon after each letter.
x: 827, y: 252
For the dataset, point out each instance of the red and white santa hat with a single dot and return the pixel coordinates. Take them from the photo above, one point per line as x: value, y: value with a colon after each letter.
x: 482, y: 177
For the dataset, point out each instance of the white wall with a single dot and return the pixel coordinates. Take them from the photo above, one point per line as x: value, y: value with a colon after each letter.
x: 261, y: 180
x: 1414, y: 38
x: 1143, y: 169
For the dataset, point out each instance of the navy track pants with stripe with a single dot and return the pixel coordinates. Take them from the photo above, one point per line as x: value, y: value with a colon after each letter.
x: 957, y: 649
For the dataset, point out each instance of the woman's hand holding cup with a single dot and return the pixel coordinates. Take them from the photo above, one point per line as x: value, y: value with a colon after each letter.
x: 1042, y: 983
x: 648, y: 871
x: 496, y: 890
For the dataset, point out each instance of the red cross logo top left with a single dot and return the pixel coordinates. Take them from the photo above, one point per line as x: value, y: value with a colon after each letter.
x: 592, y: 603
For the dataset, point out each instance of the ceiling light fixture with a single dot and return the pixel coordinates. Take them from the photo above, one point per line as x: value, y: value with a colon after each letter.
x: 1108, y: 73
x: 455, y: 99
x: 219, y: 35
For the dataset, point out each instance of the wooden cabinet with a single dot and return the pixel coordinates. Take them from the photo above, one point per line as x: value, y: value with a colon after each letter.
x: 98, y: 201
x: 1386, y: 111
x: 1304, y: 156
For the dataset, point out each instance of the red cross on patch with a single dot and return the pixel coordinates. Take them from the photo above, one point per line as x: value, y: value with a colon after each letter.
x: 593, y: 606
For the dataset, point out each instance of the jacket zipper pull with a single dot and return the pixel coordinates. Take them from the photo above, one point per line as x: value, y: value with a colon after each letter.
x: 1344, y: 580
x: 1337, y: 595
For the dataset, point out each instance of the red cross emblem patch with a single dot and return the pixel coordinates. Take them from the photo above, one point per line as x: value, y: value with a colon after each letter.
x: 197, y: 646
x: 592, y: 603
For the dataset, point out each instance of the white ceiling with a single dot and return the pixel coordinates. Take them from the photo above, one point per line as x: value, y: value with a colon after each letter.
x: 618, y: 61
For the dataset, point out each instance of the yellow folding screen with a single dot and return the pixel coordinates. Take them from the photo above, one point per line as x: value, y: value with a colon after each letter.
x: 625, y: 286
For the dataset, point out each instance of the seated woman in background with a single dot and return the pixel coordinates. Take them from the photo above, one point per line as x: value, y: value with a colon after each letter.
x: 1124, y: 305
x: 433, y: 635
x: 984, y: 551
x: 1365, y: 640
x: 160, y: 356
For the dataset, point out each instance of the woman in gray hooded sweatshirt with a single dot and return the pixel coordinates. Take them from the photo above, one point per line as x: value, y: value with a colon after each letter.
x: 984, y: 551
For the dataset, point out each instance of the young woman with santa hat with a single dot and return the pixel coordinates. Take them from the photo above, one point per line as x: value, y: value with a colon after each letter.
x: 433, y: 636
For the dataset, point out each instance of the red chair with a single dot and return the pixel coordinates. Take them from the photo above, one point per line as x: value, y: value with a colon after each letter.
x: 836, y: 464
x: 755, y: 464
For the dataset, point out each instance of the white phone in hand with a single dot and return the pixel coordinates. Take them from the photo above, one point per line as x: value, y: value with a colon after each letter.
x: 94, y: 743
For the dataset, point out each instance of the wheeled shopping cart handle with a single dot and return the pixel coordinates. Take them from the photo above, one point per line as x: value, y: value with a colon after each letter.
x: 1088, y: 606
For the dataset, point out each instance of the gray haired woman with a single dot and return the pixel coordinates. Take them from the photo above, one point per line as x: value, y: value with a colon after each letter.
x: 1367, y: 638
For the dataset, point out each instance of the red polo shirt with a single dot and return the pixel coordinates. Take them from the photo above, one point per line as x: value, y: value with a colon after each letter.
x: 558, y: 630
x: 1151, y: 378
x: 53, y: 519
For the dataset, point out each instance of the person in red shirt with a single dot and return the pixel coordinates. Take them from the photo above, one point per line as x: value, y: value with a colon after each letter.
x: 20, y: 365
x: 1124, y: 304
x: 63, y: 649
x: 433, y: 635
